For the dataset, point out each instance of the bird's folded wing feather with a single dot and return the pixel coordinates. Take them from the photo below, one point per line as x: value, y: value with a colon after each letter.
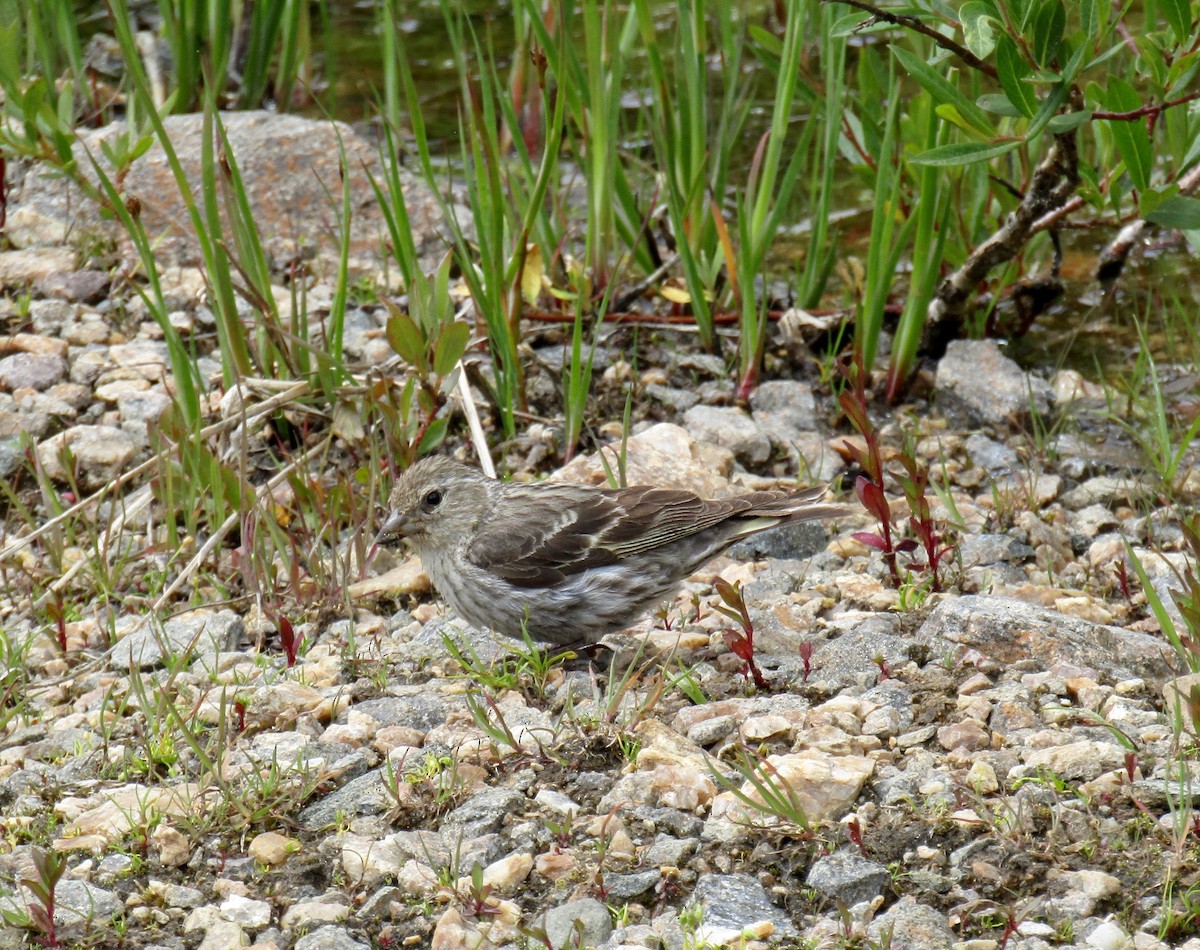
x: 551, y: 532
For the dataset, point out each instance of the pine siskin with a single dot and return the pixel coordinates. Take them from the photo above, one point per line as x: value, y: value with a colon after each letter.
x: 570, y: 562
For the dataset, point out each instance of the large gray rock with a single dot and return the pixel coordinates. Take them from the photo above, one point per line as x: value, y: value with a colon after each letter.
x: 986, y: 549
x: 731, y: 428
x: 664, y: 455
x: 787, y: 411
x: 1008, y: 631
x: 978, y: 385
x: 997, y: 458
x: 793, y: 542
x: 913, y: 926
x: 206, y: 633
x: 290, y: 166
x: 413, y: 707
x: 77, y: 903
x: 12, y: 452
x: 100, y: 454
x: 849, y: 659
x: 31, y: 371
x: 329, y: 937
x: 367, y: 795
x: 848, y: 876
x: 587, y: 919
x: 19, y: 268
x: 483, y: 813
x: 732, y: 902
x: 785, y: 408
x: 78, y: 286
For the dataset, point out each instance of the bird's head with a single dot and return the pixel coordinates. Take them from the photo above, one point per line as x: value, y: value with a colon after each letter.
x: 436, y: 503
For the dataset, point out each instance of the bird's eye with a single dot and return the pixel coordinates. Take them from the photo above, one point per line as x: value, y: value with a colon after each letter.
x: 433, y: 499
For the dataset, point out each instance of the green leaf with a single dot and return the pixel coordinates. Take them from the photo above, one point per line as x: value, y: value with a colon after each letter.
x: 62, y: 145
x: 1012, y: 70
x: 1048, y: 26
x: 769, y: 42
x: 1192, y: 156
x: 35, y: 98
x: 406, y: 339
x: 439, y: 299
x: 1075, y: 62
x: 1153, y: 62
x: 1093, y: 17
x: 963, y: 153
x: 433, y: 435
x: 1068, y: 121
x: 66, y: 108
x: 406, y: 399
x: 1022, y: 11
x: 10, y: 60
x: 998, y: 104
x: 1151, y: 198
x: 1089, y: 17
x: 450, y: 347
x: 1048, y: 110
x: 1090, y: 180
x: 1180, y: 212
x: 1107, y: 53
x: 977, y: 19
x: 426, y: 401
x: 951, y: 115
x: 1179, y: 16
x: 1131, y: 137
x: 943, y: 91
x: 1182, y: 74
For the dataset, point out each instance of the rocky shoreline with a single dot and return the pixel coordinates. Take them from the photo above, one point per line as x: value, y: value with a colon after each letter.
x: 997, y: 765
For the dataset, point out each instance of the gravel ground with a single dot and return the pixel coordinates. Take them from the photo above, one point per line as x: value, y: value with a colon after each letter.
x: 999, y: 764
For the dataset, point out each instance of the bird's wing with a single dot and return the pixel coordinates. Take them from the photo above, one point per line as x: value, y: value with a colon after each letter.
x: 549, y: 532
x: 655, y: 516
x: 652, y: 517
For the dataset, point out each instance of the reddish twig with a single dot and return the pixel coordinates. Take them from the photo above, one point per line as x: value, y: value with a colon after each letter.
x: 917, y: 26
x: 1152, y: 110
x: 683, y: 319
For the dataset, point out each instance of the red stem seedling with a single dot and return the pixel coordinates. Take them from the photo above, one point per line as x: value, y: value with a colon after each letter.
x: 1123, y: 580
x: 48, y: 871
x: 854, y: 832
x: 914, y: 483
x: 875, y: 501
x: 742, y: 644
x: 287, y: 636
x: 868, y: 487
x: 806, y: 653
x: 57, y: 611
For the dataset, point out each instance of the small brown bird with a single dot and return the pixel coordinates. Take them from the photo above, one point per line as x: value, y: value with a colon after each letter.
x: 570, y: 562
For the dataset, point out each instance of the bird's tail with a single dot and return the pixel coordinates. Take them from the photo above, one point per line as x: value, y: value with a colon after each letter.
x: 771, y: 509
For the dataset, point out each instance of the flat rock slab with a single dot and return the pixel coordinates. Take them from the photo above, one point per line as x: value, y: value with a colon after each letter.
x: 21, y: 267
x: 291, y: 168
x: 1009, y: 630
x: 978, y: 385
x: 733, y: 902
x: 665, y: 455
x: 99, y: 453
x: 205, y: 632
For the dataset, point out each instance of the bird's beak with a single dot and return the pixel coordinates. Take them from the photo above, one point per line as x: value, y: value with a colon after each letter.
x: 395, y: 527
